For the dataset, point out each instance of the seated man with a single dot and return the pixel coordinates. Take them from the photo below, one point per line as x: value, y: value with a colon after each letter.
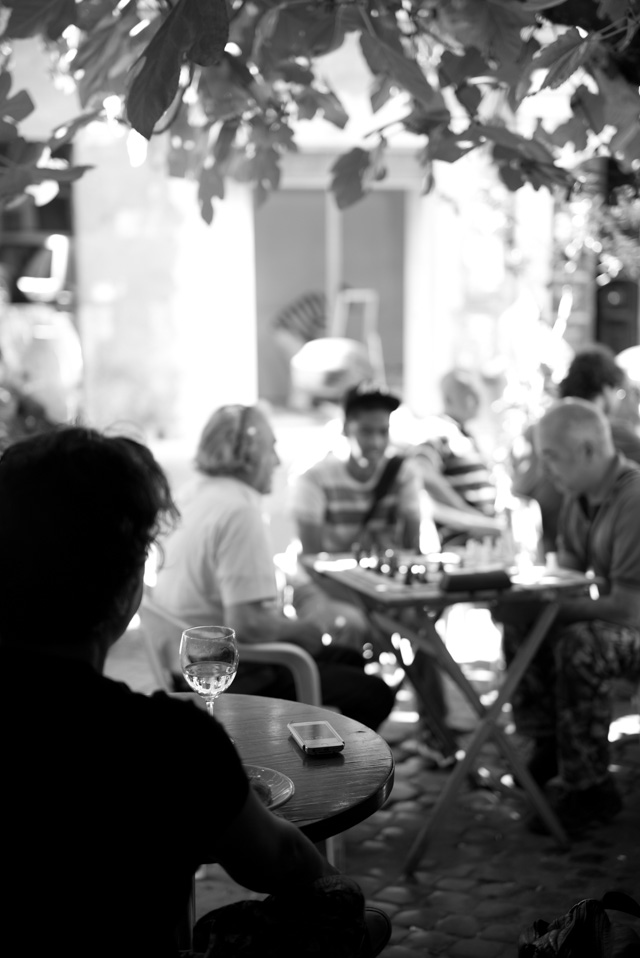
x: 452, y: 468
x: 563, y: 702
x: 218, y: 568
x: 104, y: 788
x: 367, y: 501
x: 593, y: 375
x: 335, y: 503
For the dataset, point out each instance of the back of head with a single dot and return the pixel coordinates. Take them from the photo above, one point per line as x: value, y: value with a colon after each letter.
x: 78, y: 512
x: 571, y: 422
x: 369, y: 395
x: 230, y: 443
x: 460, y: 395
x: 591, y: 371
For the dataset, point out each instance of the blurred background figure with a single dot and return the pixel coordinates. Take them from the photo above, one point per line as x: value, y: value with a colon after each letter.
x: 593, y: 375
x: 453, y: 469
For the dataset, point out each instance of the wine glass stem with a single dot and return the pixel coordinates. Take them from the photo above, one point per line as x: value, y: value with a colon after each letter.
x: 209, y: 702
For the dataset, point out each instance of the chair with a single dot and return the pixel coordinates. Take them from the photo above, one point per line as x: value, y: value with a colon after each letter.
x: 159, y: 625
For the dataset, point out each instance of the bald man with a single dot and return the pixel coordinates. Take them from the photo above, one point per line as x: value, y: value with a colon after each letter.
x: 563, y: 702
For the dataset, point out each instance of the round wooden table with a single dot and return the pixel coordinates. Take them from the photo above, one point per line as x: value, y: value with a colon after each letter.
x: 331, y: 794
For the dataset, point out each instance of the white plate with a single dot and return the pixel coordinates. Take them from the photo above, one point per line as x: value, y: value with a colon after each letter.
x: 280, y: 786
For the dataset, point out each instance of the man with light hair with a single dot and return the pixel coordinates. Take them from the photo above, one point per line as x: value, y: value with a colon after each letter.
x: 218, y: 568
x: 564, y: 701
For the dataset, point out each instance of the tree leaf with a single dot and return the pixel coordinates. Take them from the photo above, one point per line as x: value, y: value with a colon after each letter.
x: 405, y: 72
x: 347, y: 182
x: 18, y: 107
x: 380, y: 92
x: 454, y: 70
x: 613, y: 9
x: 66, y: 132
x: 210, y: 185
x: 225, y: 140
x: 32, y: 17
x: 156, y: 84
x: 590, y: 107
x: 572, y: 131
x: 332, y: 109
x: 304, y: 30
x: 563, y: 57
x: 7, y: 131
x: 448, y: 146
x: 211, y: 20
x: 491, y: 26
x: 15, y: 180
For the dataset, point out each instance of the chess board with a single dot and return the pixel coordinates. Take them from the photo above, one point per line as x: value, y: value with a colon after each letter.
x: 391, y: 588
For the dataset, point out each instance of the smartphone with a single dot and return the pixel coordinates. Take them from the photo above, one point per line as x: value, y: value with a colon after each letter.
x: 316, y: 738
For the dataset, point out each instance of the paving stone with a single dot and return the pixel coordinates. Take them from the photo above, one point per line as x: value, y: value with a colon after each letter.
x: 436, y: 942
x: 393, y: 831
x: 456, y: 884
x: 475, y: 948
x: 507, y: 933
x: 461, y: 926
x: 402, y: 791
x: 399, y: 894
x: 496, y: 908
x: 496, y: 889
x: 418, y: 939
x: 399, y: 951
x: 451, y: 902
x: 417, y: 917
x: 372, y: 845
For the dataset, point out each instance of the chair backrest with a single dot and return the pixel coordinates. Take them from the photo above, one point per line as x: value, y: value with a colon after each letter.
x: 160, y: 626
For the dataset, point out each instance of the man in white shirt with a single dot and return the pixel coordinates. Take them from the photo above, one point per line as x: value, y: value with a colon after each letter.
x: 218, y: 567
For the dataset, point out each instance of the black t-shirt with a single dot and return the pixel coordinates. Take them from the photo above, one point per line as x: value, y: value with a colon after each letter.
x: 111, y: 801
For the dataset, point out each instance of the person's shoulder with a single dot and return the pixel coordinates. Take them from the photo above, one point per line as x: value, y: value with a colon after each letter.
x: 626, y: 441
x: 329, y: 467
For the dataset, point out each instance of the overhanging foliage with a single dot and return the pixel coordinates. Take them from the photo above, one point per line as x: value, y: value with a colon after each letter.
x: 234, y: 79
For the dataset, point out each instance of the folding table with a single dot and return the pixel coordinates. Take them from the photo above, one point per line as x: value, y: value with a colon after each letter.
x: 385, y: 597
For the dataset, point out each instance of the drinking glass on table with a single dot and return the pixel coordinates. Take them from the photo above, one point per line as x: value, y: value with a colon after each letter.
x: 209, y: 660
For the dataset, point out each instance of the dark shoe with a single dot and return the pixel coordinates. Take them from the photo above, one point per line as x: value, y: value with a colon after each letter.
x: 580, y: 810
x: 378, y: 932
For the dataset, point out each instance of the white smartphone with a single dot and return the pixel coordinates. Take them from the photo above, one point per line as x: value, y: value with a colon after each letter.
x: 316, y: 738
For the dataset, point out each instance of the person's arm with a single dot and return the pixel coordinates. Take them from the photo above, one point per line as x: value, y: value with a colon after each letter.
x: 255, y: 622
x: 440, y: 490
x: 621, y: 605
x: 310, y: 534
x: 309, y: 505
x: 465, y: 520
x: 268, y: 854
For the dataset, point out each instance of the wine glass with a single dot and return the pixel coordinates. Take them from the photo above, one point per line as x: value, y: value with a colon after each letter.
x: 209, y: 660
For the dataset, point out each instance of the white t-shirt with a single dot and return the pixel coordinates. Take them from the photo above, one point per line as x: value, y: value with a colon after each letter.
x: 219, y: 554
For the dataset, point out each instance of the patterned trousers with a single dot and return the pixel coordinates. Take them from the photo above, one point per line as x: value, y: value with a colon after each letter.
x: 566, y: 692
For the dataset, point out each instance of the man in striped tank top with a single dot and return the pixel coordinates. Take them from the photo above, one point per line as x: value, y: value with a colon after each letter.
x: 453, y: 470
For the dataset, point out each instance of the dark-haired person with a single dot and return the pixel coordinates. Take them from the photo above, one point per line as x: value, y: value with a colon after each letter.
x: 331, y: 499
x: 99, y: 781
x: 218, y: 567
x: 595, y: 376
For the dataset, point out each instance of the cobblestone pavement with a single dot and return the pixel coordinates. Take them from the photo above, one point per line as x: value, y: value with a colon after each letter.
x: 485, y: 877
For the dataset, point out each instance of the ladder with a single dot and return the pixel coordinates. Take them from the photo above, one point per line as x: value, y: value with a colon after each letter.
x: 363, y: 304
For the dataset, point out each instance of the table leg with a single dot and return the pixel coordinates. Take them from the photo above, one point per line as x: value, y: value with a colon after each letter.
x: 487, y: 728
x: 420, y: 681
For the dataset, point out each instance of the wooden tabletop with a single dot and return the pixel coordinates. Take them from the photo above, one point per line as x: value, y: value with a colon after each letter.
x: 332, y: 793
